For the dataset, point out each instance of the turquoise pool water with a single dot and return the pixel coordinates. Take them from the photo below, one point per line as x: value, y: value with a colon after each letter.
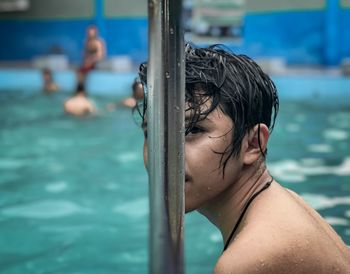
x: 74, y: 190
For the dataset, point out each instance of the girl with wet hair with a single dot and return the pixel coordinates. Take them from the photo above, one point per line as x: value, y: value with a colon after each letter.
x: 231, y: 108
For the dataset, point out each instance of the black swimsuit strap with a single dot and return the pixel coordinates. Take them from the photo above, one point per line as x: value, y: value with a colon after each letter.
x: 244, y: 211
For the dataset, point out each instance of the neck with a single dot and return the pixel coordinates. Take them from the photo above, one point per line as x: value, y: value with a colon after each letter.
x: 226, y: 208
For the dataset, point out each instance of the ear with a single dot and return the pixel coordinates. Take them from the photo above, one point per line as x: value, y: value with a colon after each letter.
x: 253, y: 148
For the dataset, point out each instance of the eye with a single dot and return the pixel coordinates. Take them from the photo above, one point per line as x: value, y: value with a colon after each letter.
x: 195, y: 130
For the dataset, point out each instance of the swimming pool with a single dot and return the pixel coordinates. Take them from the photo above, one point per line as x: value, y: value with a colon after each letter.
x: 74, y: 190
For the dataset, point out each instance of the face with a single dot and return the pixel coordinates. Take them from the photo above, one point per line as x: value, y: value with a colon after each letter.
x: 138, y: 91
x: 204, y: 180
x: 47, y: 76
x: 92, y: 32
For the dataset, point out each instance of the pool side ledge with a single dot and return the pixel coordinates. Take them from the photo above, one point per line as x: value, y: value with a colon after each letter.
x: 97, y: 83
x: 318, y: 88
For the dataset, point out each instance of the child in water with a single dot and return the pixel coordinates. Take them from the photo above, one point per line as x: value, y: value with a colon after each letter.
x: 79, y: 104
x: 231, y: 108
x: 130, y: 102
x: 49, y: 85
x: 137, y: 94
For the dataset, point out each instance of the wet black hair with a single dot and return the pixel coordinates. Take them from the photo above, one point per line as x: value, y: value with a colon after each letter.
x: 80, y: 88
x: 216, y: 77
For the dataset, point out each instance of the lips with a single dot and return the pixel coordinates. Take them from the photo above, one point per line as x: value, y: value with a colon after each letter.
x: 187, y: 178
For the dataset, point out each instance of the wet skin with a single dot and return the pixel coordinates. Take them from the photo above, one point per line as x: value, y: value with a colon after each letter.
x: 204, y: 180
x: 280, y: 233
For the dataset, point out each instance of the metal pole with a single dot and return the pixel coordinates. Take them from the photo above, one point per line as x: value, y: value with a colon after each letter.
x: 165, y: 120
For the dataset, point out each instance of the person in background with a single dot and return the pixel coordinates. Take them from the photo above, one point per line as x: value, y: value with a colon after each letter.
x: 49, y: 85
x: 137, y: 94
x: 130, y: 102
x: 79, y: 104
x: 230, y: 111
x: 94, y: 50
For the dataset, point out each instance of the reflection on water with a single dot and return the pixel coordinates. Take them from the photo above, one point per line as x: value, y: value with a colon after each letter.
x: 298, y: 170
x: 74, y: 191
x: 321, y: 201
x: 44, y: 209
x: 56, y: 187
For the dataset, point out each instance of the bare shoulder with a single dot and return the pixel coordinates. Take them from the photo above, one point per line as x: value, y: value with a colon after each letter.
x: 256, y: 252
x: 284, y: 235
x: 243, y: 263
x: 280, y: 258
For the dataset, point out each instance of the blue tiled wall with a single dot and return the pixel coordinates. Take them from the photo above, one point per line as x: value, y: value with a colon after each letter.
x: 313, y: 37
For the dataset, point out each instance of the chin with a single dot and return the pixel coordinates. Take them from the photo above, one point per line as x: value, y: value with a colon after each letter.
x: 190, y: 207
x: 189, y: 210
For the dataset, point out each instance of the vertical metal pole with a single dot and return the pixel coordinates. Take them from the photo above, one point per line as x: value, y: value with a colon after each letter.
x: 165, y: 119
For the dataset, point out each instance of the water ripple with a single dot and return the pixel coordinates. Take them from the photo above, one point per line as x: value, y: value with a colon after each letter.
x: 336, y: 134
x: 319, y: 201
x: 56, y: 187
x: 296, y: 171
x: 45, y: 209
x: 134, y: 209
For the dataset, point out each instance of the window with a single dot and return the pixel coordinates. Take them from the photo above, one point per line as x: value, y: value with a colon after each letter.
x: 213, y: 20
x: 13, y: 5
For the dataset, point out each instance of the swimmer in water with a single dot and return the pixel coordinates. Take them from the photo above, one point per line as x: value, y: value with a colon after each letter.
x: 49, y: 85
x: 137, y: 94
x: 130, y: 102
x: 231, y: 107
x: 79, y: 104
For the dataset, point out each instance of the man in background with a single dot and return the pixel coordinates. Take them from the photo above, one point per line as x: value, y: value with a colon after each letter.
x: 79, y: 104
x: 94, y: 50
